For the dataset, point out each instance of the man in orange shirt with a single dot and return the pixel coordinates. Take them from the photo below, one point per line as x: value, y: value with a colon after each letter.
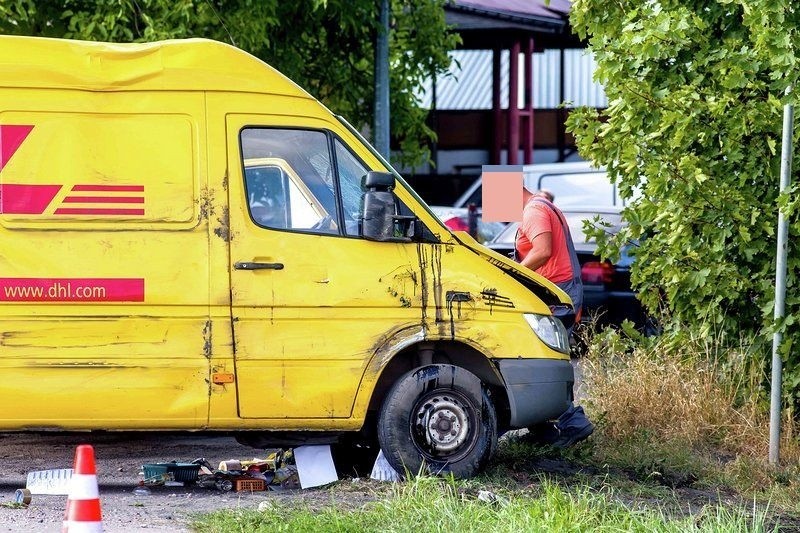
x: 544, y: 245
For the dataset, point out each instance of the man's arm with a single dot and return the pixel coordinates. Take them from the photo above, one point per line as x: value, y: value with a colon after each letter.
x: 541, y: 250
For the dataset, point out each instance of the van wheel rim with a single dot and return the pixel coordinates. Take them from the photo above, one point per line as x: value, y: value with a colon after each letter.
x: 443, y: 424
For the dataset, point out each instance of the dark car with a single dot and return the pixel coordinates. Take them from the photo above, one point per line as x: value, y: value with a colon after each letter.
x: 608, y: 298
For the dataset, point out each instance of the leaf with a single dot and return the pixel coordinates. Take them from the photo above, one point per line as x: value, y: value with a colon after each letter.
x: 771, y: 144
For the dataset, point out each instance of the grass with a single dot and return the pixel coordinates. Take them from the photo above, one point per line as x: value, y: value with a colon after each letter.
x: 687, y: 414
x: 430, y: 504
x: 680, y: 445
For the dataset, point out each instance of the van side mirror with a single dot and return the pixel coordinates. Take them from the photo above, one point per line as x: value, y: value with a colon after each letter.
x: 379, y: 181
x: 380, y: 221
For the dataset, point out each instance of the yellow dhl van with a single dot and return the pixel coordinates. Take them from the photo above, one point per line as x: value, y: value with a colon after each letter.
x: 189, y: 241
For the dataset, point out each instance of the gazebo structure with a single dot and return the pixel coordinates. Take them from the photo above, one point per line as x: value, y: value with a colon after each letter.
x: 520, y: 26
x: 516, y: 56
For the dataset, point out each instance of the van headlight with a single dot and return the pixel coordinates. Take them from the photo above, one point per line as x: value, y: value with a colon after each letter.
x: 550, y: 331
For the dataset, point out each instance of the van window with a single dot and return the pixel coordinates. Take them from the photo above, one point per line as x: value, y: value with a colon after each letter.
x: 289, y: 179
x: 351, y: 183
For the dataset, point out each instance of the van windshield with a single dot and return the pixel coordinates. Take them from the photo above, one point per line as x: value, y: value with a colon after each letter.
x: 420, y: 202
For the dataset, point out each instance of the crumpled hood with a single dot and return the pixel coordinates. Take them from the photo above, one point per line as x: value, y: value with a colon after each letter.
x: 548, y: 292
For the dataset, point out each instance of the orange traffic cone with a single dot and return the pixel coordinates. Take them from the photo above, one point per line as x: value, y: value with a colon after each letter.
x: 83, y: 503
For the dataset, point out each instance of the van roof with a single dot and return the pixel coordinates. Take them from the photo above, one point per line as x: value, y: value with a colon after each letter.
x: 185, y: 64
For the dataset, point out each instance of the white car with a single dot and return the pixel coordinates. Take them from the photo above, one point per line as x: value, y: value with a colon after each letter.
x: 572, y: 184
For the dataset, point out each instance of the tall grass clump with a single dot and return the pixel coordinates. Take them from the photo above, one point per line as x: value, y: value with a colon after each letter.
x: 681, y: 402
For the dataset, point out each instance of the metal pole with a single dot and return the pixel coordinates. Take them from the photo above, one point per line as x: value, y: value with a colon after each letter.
x: 780, y: 289
x: 497, y: 111
x: 472, y: 220
x: 513, y: 104
x: 434, y: 127
x: 382, y: 82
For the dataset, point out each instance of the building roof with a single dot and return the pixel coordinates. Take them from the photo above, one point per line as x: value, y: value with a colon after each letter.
x: 477, y: 20
x: 522, y: 9
x: 186, y: 64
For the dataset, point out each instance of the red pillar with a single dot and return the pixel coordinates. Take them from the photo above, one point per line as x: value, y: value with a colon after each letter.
x: 497, y: 111
x: 527, y: 132
x: 513, y: 105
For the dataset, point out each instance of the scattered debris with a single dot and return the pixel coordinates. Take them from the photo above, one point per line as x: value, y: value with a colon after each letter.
x: 55, y: 481
x: 487, y: 496
x: 277, y: 471
x: 490, y: 497
x: 383, y: 471
x: 22, y: 496
x: 141, y: 489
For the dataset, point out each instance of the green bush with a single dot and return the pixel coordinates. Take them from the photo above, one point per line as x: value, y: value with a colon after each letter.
x: 692, y: 136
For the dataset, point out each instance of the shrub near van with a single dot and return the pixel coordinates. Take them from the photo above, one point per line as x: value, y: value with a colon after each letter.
x: 192, y: 242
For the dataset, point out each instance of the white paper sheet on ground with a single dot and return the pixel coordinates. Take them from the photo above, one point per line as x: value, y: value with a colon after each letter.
x: 382, y: 470
x: 315, y: 466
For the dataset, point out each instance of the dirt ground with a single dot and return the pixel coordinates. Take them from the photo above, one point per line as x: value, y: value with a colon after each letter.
x: 119, y: 458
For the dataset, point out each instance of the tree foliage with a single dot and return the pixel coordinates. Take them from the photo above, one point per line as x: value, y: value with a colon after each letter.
x: 696, y: 89
x: 326, y: 46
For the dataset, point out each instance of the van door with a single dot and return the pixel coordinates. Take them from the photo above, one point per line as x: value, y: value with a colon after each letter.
x: 311, y: 300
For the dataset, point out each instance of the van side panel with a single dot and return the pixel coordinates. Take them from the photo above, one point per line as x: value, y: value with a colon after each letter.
x: 104, y: 274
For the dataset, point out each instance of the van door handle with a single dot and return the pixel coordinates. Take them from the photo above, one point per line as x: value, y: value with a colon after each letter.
x: 245, y: 265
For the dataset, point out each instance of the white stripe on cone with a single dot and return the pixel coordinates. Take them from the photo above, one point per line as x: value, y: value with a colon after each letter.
x: 83, y: 487
x: 83, y: 527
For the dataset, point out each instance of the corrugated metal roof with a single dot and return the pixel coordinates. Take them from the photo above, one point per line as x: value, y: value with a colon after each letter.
x: 519, y: 8
x: 468, y: 84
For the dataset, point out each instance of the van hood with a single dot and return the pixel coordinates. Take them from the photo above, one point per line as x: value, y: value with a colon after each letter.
x: 547, y: 291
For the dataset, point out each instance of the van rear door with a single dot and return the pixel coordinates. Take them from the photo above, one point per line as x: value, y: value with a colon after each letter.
x: 104, y: 284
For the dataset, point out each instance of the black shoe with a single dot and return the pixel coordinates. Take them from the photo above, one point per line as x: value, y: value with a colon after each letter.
x: 573, y: 426
x: 572, y: 436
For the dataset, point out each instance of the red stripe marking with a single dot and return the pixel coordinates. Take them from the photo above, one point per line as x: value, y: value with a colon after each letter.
x: 84, y: 510
x: 97, y: 211
x: 121, y: 188
x: 11, y: 137
x: 104, y: 199
x: 18, y: 199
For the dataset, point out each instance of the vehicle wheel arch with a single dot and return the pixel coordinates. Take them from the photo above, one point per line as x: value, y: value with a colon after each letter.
x: 450, y: 352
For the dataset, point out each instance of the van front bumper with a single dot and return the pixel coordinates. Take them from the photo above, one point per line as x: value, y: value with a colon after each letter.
x: 538, y: 389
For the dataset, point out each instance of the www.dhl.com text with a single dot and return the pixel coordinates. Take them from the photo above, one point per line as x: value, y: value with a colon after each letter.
x: 72, y: 289
x: 57, y: 291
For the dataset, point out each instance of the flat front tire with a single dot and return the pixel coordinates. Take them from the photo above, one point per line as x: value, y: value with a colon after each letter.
x: 438, y: 419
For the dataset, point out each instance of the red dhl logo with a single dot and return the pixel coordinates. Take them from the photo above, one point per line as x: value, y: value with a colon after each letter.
x: 83, y: 199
